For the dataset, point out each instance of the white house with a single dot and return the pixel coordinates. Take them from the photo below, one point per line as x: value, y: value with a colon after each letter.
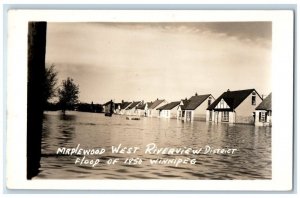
x: 263, y: 112
x: 142, y: 109
x: 152, y: 110
x: 132, y: 108
x: 195, y: 108
x: 180, y: 109
x: 123, y: 106
x: 234, y: 107
x: 169, y: 110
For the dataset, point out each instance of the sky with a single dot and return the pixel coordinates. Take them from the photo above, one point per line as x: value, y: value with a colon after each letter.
x: 171, y: 61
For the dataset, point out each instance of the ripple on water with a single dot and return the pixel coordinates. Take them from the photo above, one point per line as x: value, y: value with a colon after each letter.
x: 251, y: 161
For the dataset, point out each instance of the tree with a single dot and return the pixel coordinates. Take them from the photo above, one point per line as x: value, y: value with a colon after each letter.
x: 50, y: 81
x: 68, y: 94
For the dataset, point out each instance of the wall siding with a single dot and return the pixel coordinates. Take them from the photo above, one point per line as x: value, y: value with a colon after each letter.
x: 244, y: 112
x: 200, y: 111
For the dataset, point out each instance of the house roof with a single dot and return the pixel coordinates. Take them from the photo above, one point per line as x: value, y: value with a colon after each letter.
x: 133, y: 104
x: 266, y: 104
x: 124, y: 105
x: 169, y: 106
x: 118, y: 104
x: 149, y: 104
x: 107, y: 103
x: 232, y: 98
x: 141, y: 106
x: 185, y: 103
x: 195, y: 101
x: 155, y: 104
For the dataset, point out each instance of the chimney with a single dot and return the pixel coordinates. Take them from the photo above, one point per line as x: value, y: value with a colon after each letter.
x: 196, y: 94
x: 122, y: 101
x: 228, y: 90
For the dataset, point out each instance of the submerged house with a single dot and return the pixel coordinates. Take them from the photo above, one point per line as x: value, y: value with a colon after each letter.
x: 122, y: 107
x: 142, y: 109
x: 109, y: 107
x: 263, y: 112
x: 195, y: 107
x: 234, y: 107
x: 132, y: 108
x: 117, y: 108
x: 169, y: 110
x: 180, y: 109
x: 152, y: 110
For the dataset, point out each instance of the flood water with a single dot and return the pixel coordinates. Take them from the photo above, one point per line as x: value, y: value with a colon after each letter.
x: 251, y: 160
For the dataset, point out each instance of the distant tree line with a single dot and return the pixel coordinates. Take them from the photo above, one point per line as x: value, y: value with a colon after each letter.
x: 67, y: 94
x: 83, y: 107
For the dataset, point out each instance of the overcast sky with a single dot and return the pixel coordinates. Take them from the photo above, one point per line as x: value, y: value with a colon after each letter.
x: 145, y: 61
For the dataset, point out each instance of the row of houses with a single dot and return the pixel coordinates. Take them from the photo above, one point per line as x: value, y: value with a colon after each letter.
x: 241, y: 106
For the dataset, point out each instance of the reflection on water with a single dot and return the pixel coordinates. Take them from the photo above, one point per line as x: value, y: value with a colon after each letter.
x: 90, y: 130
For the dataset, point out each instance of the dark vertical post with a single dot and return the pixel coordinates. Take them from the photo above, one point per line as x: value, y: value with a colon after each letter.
x: 36, y: 70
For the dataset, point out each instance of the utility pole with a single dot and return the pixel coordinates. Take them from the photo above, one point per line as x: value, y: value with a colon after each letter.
x: 36, y: 71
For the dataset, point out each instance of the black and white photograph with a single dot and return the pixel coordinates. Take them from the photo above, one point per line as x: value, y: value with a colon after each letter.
x: 157, y: 101
x: 150, y: 100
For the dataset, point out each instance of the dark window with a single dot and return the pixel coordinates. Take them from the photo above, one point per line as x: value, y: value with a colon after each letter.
x: 225, y: 116
x: 253, y: 100
x: 210, y: 115
x: 262, y: 116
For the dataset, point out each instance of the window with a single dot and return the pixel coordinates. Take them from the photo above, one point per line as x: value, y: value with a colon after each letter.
x: 209, y: 102
x: 225, y: 116
x: 262, y: 116
x: 253, y: 98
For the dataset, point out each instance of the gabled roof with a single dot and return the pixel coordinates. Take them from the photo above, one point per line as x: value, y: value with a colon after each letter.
x: 107, y: 103
x: 195, y: 101
x: 185, y: 103
x: 141, y: 106
x: 133, y: 104
x: 169, y: 106
x: 266, y: 104
x: 124, y: 105
x: 149, y: 104
x: 232, y: 98
x: 155, y: 104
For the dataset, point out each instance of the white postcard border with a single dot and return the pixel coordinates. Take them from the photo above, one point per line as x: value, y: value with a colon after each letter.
x: 282, y: 93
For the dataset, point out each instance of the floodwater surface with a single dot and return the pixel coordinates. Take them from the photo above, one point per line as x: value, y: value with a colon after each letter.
x: 251, y: 158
